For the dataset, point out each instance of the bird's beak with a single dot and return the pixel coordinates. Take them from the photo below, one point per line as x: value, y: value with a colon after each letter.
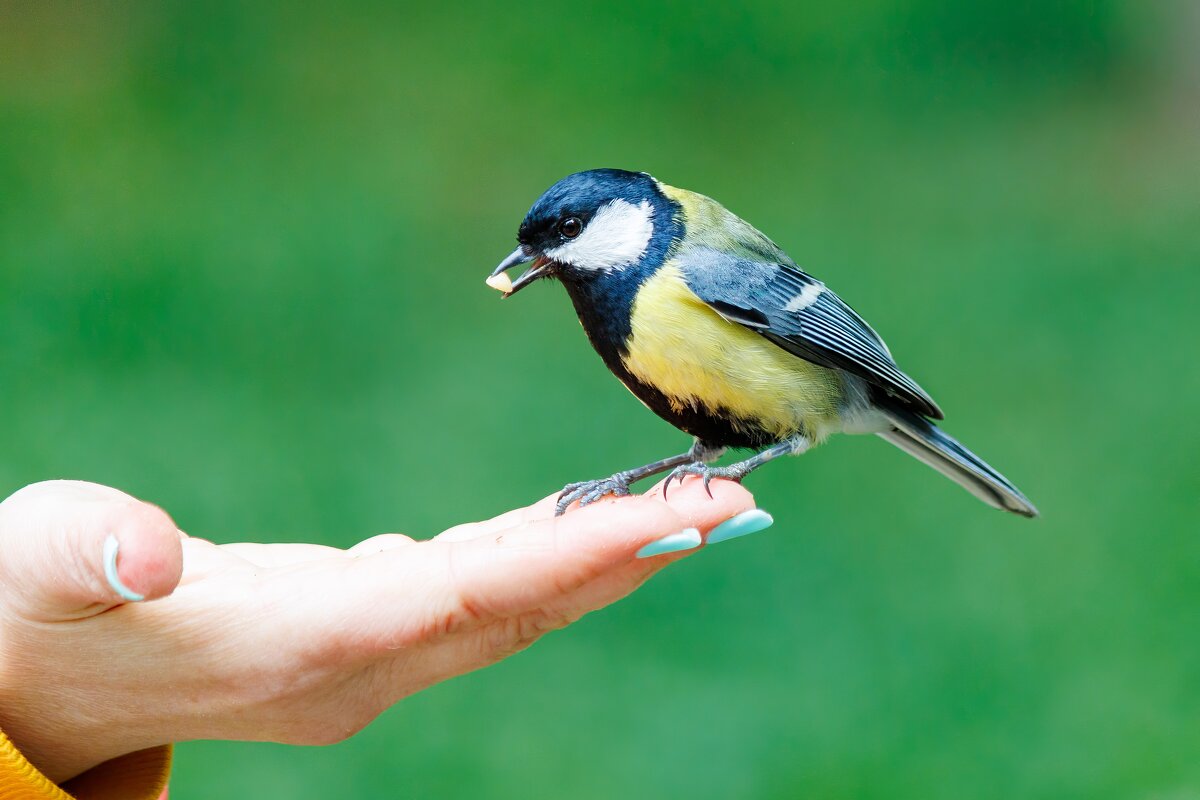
x: 541, y: 265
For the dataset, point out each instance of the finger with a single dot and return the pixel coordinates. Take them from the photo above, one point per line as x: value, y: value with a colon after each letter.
x: 547, y: 560
x: 542, y: 509
x: 519, y: 569
x: 70, y: 549
x: 377, y: 544
x: 284, y: 554
x: 700, y: 512
x: 281, y: 554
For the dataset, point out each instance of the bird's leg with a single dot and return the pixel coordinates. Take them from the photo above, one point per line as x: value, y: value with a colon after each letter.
x: 735, y: 472
x: 618, y: 485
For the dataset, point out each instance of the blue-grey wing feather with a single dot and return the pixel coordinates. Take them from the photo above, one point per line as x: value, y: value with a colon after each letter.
x: 795, y: 311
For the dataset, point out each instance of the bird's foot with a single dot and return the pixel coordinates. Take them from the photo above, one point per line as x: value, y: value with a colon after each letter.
x: 733, y: 472
x: 590, y: 491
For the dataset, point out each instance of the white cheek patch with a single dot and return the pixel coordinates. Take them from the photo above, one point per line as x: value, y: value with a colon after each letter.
x: 808, y: 295
x: 616, y: 237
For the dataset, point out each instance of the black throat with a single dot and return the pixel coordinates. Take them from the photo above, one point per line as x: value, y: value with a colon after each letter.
x: 603, y: 300
x: 604, y: 303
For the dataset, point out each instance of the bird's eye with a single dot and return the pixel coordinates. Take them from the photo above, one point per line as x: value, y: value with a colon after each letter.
x: 570, y: 227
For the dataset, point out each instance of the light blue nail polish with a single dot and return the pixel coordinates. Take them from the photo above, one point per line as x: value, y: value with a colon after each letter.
x: 686, y: 539
x: 751, y: 521
x: 111, y: 545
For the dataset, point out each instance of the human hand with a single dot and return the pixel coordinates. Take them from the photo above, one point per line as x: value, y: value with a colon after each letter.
x: 293, y: 643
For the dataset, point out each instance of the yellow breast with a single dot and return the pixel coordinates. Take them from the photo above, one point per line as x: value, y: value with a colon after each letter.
x: 697, y: 358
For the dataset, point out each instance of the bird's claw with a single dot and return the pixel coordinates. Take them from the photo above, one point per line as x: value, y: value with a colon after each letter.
x: 733, y: 472
x: 587, y: 492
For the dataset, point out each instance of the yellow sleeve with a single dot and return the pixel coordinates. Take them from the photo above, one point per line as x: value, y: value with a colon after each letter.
x: 136, y: 776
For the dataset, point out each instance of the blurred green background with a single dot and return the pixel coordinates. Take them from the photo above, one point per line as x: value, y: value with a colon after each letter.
x: 242, y: 250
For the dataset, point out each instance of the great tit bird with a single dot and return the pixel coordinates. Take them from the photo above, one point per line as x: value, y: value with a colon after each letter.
x: 715, y: 329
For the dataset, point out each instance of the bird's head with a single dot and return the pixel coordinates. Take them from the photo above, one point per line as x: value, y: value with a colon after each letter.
x: 586, y: 225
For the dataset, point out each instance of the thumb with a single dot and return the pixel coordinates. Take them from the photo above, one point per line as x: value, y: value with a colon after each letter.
x: 70, y: 549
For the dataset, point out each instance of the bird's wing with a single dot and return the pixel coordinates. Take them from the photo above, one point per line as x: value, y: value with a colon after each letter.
x: 799, y: 314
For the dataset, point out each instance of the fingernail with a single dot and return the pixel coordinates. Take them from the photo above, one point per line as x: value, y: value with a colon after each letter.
x: 111, y: 545
x: 751, y: 521
x: 686, y: 539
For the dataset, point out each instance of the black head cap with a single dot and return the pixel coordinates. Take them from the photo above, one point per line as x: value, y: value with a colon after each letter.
x: 578, y: 197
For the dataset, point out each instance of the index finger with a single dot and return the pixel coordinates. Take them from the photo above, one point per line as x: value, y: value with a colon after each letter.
x: 539, y: 564
x: 542, y: 509
x: 525, y: 567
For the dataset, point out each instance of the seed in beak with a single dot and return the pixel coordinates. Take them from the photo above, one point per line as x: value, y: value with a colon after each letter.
x: 500, y: 282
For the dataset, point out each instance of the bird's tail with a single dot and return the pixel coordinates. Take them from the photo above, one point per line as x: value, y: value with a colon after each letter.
x: 921, y: 438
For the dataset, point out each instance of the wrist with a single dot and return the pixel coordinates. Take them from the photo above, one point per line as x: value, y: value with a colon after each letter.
x: 61, y: 706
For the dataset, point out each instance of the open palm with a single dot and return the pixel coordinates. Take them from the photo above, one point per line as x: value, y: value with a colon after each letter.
x: 291, y: 643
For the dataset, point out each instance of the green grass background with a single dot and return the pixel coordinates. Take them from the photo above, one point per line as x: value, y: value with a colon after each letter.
x: 242, y: 250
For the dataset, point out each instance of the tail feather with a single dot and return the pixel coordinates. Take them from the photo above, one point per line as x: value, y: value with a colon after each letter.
x: 919, y: 437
